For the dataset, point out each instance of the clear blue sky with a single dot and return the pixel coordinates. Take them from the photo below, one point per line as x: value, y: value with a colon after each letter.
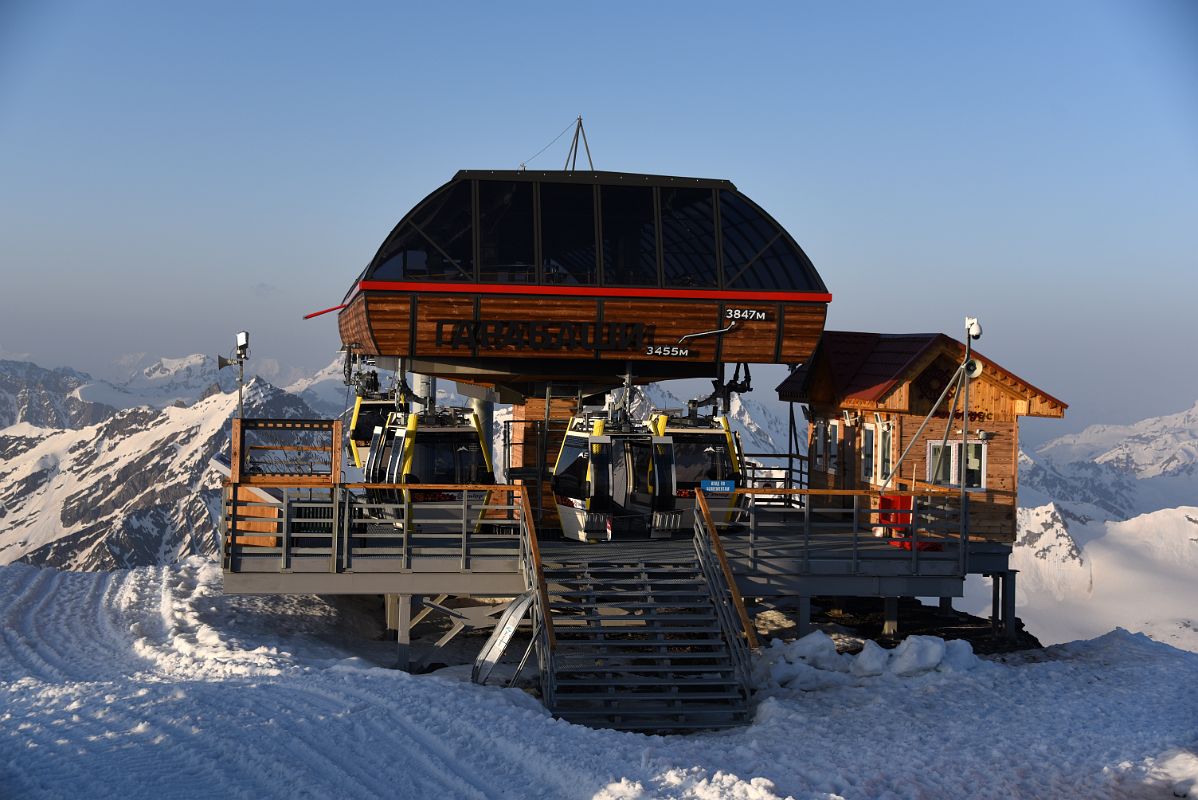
x: 171, y: 172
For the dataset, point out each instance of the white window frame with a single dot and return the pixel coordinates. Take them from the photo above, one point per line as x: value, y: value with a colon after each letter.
x: 869, y: 455
x: 885, y: 435
x: 954, y: 449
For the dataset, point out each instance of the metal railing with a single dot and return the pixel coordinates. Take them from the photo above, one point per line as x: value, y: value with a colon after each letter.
x: 373, y: 527
x: 729, y: 605
x: 829, y: 531
x: 542, y: 618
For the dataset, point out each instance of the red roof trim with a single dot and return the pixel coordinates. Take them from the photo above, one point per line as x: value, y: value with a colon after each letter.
x: 592, y: 291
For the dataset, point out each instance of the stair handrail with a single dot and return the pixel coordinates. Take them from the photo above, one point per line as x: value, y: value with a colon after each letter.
x: 717, y: 546
x: 537, y: 571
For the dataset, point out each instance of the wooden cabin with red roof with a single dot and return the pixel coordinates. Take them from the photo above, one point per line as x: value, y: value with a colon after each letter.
x: 867, y: 396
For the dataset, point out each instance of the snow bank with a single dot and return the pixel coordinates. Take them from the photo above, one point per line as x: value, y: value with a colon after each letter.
x: 150, y: 683
x: 812, y: 662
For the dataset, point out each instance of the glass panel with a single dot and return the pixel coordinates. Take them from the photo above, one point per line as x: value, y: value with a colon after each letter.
x: 570, y: 473
x: 698, y: 459
x: 568, y: 233
x: 940, y: 468
x: 408, y: 258
x: 436, y: 245
x: 629, y: 236
x: 833, y: 446
x: 688, y: 238
x: 505, y: 232
x: 867, y: 454
x: 757, y: 254
x: 974, y: 475
x: 884, y: 445
x: 820, y: 442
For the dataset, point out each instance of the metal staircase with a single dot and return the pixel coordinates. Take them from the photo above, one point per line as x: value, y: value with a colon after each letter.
x: 641, y: 643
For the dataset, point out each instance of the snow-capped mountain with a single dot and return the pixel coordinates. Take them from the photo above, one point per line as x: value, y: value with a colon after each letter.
x: 1108, y: 532
x: 324, y: 391
x: 46, y: 397
x: 134, y: 489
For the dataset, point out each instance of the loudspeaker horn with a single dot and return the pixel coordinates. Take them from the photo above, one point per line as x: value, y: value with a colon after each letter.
x: 973, y: 368
x: 222, y: 362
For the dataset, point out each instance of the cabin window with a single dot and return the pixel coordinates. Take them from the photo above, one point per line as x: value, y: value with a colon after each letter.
x: 833, y: 446
x: 629, y: 236
x: 505, y: 232
x: 568, y: 253
x: 570, y: 474
x: 701, y: 458
x: 446, y: 458
x: 437, y: 245
x: 820, y: 439
x: 867, y: 453
x: 688, y: 239
x: 885, y: 452
x: 948, y: 471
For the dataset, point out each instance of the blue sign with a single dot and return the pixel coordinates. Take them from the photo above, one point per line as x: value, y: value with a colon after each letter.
x: 718, y: 487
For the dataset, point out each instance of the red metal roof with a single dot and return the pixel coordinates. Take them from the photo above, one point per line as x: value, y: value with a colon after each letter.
x: 865, y: 367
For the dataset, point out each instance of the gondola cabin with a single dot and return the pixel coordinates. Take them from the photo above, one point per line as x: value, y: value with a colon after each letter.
x: 868, y: 395
x: 519, y: 279
x: 705, y: 449
x: 441, y: 446
x: 616, y: 478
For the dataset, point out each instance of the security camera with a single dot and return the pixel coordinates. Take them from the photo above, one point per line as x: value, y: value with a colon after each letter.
x: 973, y: 328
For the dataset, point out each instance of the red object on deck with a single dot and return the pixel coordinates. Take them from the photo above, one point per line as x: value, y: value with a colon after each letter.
x: 905, y: 544
x: 901, y: 515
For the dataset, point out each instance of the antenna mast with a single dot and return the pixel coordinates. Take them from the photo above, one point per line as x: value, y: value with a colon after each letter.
x: 572, y: 155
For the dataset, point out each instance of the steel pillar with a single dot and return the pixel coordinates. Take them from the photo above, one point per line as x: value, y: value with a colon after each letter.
x: 804, y: 616
x: 425, y: 386
x: 890, y: 614
x: 485, y: 410
x: 1008, y: 605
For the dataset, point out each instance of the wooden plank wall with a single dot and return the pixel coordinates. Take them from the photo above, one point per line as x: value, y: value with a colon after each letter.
x: 399, y: 324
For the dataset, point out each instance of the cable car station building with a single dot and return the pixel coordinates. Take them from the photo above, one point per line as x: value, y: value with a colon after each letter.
x: 547, y: 290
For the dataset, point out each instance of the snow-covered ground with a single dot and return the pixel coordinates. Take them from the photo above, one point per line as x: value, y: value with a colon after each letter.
x: 151, y: 683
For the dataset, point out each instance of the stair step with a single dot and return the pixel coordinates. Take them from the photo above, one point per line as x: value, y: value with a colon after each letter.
x: 635, y: 606
x: 562, y: 699
x: 574, y: 633
x: 640, y: 618
x: 614, y: 666
x: 646, y: 682
x: 656, y: 591
x: 660, y: 712
x: 587, y: 646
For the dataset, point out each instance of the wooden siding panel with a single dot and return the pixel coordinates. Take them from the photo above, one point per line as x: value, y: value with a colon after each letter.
x: 668, y: 323
x: 752, y: 340
x: 390, y: 320
x: 354, y: 327
x: 431, y: 310
x: 804, y: 324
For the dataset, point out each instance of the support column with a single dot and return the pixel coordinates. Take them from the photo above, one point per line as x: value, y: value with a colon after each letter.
x: 425, y: 386
x: 391, y: 611
x: 485, y: 410
x: 1008, y: 605
x: 946, y: 604
x: 890, y: 615
x: 403, y: 628
x: 995, y: 601
x: 804, y: 616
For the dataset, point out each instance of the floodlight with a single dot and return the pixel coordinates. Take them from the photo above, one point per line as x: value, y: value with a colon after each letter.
x: 243, y: 343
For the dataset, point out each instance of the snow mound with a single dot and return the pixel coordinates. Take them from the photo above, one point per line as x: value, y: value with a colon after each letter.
x: 812, y: 663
